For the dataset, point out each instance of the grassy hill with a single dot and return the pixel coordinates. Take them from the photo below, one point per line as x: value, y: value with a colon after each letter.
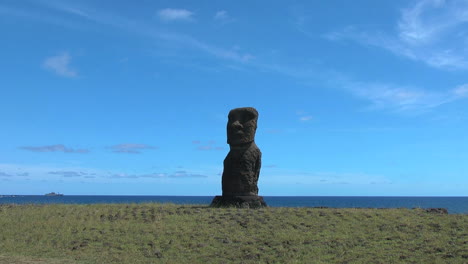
x: 167, y: 233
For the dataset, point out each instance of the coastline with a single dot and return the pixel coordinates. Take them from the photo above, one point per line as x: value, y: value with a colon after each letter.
x: 455, y: 205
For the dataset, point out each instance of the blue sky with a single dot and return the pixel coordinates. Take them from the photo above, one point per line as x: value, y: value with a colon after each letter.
x: 354, y: 97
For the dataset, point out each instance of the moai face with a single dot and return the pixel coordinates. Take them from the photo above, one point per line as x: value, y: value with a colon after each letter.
x: 241, y: 125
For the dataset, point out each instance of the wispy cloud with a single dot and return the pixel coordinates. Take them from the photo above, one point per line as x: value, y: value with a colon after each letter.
x: 69, y: 174
x: 461, y: 91
x: 136, y: 176
x: 60, y: 65
x: 274, y: 131
x: 400, y: 98
x: 22, y: 13
x: 427, y: 21
x: 170, y: 15
x: 54, y: 148
x: 131, y: 148
x: 328, y: 178
x: 210, y: 145
x: 13, y: 171
x: 303, y: 116
x: 451, y: 53
x: 221, y: 15
x: 21, y: 171
x: 394, y: 97
x: 8, y: 174
x: 156, y: 175
x: 300, y: 19
x: 11, y: 174
x: 4, y: 174
x: 184, y: 174
x: 431, y: 31
x: 152, y: 32
x: 228, y: 54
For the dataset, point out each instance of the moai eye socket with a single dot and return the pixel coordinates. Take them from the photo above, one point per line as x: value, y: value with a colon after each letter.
x: 241, y: 115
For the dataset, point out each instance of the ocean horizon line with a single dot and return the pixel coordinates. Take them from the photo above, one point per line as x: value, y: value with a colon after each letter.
x: 172, y: 195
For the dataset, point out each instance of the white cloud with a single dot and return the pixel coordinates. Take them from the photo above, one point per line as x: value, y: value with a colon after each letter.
x: 184, y: 174
x: 136, y: 176
x: 157, y: 175
x: 75, y: 11
x: 300, y: 20
x: 426, y: 21
x: 169, y: 14
x: 4, y: 174
x: 427, y: 48
x: 210, y: 145
x: 221, y: 15
x: 46, y: 173
x: 69, y: 174
x: 54, y: 148
x: 60, y: 64
x: 430, y: 31
x: 131, y: 148
x: 305, y: 118
x: 461, y: 91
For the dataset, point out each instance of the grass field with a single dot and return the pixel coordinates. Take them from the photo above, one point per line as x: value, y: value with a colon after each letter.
x: 167, y: 233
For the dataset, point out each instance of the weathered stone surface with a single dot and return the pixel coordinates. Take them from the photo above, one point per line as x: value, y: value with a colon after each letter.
x: 243, y: 162
x: 241, y: 170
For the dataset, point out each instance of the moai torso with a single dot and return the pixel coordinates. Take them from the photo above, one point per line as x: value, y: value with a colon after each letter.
x: 243, y: 162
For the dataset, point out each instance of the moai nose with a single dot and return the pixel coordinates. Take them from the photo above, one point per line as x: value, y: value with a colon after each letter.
x: 237, y: 124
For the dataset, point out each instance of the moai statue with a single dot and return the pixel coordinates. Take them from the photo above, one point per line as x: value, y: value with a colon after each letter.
x: 243, y: 162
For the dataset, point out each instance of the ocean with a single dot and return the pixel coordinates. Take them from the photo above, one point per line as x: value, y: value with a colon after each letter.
x: 454, y: 205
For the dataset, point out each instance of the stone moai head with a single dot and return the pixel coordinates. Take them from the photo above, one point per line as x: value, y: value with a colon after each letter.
x: 241, y: 126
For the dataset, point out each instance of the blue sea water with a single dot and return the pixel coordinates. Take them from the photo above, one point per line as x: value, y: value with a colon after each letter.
x: 455, y: 205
